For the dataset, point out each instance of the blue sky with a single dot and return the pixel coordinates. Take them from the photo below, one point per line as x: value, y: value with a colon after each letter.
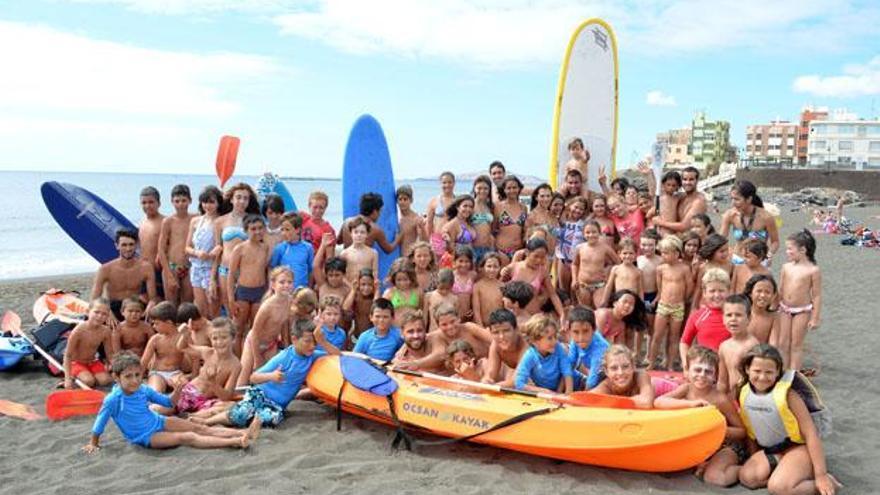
x: 151, y: 85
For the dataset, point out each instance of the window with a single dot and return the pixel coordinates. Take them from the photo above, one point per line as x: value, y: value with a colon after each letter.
x: 818, y: 145
x: 874, y: 162
x: 847, y: 129
x: 845, y: 146
x: 873, y: 130
x: 862, y: 130
x: 874, y: 146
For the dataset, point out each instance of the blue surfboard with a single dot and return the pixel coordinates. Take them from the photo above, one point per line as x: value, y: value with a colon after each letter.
x: 367, y: 168
x: 269, y: 183
x: 89, y: 220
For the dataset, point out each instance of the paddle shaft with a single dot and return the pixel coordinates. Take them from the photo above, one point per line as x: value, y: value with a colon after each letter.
x: 16, y: 329
x: 486, y: 386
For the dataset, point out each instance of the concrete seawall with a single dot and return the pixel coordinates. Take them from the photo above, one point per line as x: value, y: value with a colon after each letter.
x: 866, y: 183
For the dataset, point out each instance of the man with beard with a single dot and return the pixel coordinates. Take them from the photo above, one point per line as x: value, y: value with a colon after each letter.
x: 126, y: 276
x: 690, y: 203
x: 416, y: 351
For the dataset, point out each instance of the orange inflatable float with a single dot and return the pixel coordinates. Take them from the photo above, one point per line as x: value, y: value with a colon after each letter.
x: 638, y: 440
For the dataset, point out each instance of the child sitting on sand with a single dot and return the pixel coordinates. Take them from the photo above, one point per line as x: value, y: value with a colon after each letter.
x: 196, y: 324
x: 623, y: 379
x: 219, y: 373
x: 128, y: 405
x: 788, y: 458
x: 162, y: 357
x: 81, y: 355
x: 545, y: 366
x: 722, y: 469
x: 800, y: 298
x: 736, y: 311
x: 764, y: 321
x: 132, y: 333
x: 275, y: 384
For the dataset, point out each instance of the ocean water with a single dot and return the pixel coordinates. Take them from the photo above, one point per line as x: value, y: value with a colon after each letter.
x: 33, y: 245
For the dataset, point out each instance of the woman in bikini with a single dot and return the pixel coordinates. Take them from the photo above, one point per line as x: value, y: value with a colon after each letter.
x: 747, y: 219
x: 436, y: 215
x: 482, y: 218
x: 510, y: 218
x: 540, y: 215
x: 599, y: 213
x: 535, y: 271
x: 459, y: 231
x: 238, y: 201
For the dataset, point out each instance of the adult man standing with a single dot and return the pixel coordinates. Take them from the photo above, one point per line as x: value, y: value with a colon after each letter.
x: 126, y: 276
x: 690, y: 204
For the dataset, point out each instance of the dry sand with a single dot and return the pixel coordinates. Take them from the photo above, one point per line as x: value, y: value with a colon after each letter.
x: 307, y: 455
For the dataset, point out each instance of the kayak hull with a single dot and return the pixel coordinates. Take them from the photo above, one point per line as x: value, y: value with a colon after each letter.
x: 649, y: 441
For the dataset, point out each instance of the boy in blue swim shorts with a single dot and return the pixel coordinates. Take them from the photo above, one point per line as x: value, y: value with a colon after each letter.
x: 275, y: 384
x: 128, y: 405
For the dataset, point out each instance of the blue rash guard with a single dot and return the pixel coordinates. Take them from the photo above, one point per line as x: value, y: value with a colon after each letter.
x: 381, y: 348
x: 295, y: 368
x: 544, y: 371
x: 298, y: 256
x: 591, y: 357
x: 335, y: 337
x: 132, y: 414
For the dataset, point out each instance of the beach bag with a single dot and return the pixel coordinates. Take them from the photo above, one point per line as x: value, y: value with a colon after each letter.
x: 52, y: 336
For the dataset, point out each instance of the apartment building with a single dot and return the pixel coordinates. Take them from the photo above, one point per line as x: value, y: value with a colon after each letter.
x: 776, y: 141
x: 844, y: 143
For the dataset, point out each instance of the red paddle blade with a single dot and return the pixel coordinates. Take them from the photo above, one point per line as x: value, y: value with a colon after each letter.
x: 64, y: 404
x: 601, y: 400
x: 227, y: 153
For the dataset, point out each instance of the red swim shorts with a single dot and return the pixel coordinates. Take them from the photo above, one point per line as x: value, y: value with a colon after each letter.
x: 94, y: 367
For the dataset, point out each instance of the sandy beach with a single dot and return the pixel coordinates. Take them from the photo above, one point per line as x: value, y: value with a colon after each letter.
x: 307, y: 455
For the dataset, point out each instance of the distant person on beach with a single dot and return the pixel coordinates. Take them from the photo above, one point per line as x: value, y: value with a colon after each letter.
x: 149, y: 233
x: 800, y: 298
x: 81, y: 361
x: 690, y: 203
x: 126, y: 276
x: 371, y: 205
x: 172, y: 248
x: 128, y: 405
x: 436, y: 217
x: 747, y: 219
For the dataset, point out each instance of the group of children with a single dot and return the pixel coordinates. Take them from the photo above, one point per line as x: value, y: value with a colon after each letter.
x: 552, y: 298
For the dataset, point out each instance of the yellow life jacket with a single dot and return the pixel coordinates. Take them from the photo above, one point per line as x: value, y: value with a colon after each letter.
x: 779, y: 395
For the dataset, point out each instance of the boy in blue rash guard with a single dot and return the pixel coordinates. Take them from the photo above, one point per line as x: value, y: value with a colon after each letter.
x: 276, y: 383
x: 545, y: 366
x: 586, y: 348
x: 128, y: 405
x: 293, y: 252
x: 383, y: 340
x: 331, y: 312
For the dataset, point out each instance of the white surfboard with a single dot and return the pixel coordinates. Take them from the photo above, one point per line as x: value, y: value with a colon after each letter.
x: 586, y: 102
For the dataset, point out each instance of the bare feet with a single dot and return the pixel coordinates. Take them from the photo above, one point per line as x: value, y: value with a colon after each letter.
x: 253, y: 430
x: 245, y: 441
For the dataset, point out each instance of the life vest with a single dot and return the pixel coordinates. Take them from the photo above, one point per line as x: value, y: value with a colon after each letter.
x: 767, y: 417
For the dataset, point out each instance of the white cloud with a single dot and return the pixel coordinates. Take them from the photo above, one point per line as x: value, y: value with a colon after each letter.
x: 180, y: 7
x: 856, y: 80
x: 659, y: 99
x: 44, y: 68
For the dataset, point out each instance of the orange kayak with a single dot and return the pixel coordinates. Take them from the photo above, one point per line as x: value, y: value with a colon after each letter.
x: 637, y: 440
x: 64, y: 306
